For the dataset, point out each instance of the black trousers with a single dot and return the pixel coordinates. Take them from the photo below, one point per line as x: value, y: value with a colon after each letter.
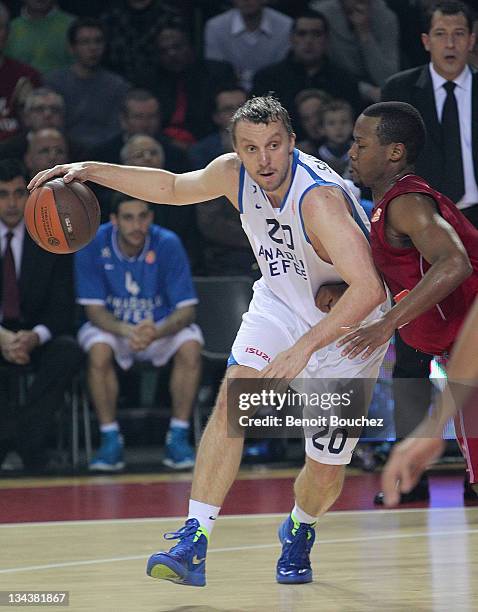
x: 412, y: 388
x: 25, y: 427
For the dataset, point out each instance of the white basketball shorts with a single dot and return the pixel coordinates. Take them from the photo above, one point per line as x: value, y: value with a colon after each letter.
x: 270, y: 327
x: 158, y: 352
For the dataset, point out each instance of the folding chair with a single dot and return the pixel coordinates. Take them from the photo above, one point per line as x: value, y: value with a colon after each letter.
x: 20, y: 378
x: 222, y: 302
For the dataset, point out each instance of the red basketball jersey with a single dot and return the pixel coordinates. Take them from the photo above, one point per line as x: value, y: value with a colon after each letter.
x: 435, y: 330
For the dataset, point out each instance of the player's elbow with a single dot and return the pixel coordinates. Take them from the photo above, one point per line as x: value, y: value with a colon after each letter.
x: 462, y: 267
x: 467, y: 268
x: 376, y: 293
x: 187, y: 315
x: 94, y: 312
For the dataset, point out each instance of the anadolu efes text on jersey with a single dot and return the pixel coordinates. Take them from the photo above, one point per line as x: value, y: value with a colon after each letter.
x: 290, y: 267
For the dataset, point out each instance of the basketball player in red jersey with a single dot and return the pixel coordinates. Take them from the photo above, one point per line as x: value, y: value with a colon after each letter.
x: 425, y: 248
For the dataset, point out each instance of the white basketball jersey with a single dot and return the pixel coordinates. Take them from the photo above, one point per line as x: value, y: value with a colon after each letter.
x: 290, y: 267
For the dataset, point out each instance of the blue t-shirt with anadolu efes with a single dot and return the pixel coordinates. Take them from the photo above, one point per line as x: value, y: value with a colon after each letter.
x: 148, y: 286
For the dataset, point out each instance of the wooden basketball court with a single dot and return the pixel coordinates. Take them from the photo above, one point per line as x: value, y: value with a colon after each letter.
x: 416, y: 559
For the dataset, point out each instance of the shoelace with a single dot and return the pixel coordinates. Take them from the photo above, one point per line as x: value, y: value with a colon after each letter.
x: 188, y: 530
x: 296, y: 552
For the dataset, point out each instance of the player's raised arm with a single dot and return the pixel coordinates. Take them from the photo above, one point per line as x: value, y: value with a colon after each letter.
x: 152, y: 184
x: 415, y: 216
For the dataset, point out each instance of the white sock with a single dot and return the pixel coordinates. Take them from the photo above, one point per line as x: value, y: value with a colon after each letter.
x: 302, y: 516
x: 109, y: 427
x: 174, y: 422
x: 204, y: 513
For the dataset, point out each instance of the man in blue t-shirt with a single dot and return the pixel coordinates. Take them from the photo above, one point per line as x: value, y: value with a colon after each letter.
x: 135, y: 284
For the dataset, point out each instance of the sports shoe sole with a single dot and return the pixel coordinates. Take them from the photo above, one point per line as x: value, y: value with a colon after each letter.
x: 293, y: 579
x: 106, y: 467
x: 166, y: 568
x: 178, y: 465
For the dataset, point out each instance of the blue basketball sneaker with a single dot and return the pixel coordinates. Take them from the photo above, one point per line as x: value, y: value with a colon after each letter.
x: 179, y: 453
x: 297, y: 539
x: 109, y: 457
x: 185, y: 563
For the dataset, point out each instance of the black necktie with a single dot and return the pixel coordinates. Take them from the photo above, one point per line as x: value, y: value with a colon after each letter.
x: 454, y: 181
x: 10, y: 293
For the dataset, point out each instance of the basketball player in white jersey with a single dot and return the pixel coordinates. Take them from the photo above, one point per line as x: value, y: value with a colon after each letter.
x: 307, y: 230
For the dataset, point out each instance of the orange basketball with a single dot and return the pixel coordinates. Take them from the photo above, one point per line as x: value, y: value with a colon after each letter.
x: 62, y: 217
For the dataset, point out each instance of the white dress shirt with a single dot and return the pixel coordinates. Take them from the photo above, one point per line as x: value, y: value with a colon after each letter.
x: 227, y: 39
x: 462, y: 93
x: 18, y: 232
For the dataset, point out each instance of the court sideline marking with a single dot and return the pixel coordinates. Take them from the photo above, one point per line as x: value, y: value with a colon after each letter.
x: 397, y: 536
x: 162, y: 519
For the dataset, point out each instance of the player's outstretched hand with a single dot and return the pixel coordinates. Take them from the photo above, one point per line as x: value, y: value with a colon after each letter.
x: 365, y: 338
x: 69, y: 172
x: 406, y: 464
x: 286, y: 365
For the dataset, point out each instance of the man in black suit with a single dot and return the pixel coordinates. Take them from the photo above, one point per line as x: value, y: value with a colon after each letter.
x: 36, y: 309
x: 449, y: 38
x: 449, y: 162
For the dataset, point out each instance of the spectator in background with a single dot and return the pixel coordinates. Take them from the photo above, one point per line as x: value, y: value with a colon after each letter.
x: 449, y: 161
x: 364, y: 40
x: 44, y: 108
x: 144, y: 150
x: 36, y: 311
x: 16, y: 82
x: 134, y: 281
x: 225, y: 248
x: 410, y: 15
x: 226, y: 102
x: 249, y: 36
x: 38, y: 36
x: 131, y: 27
x: 309, y: 104
x: 337, y: 127
x: 46, y: 148
x: 140, y: 113
x: 92, y: 94
x: 184, y: 85
x: 307, y: 66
